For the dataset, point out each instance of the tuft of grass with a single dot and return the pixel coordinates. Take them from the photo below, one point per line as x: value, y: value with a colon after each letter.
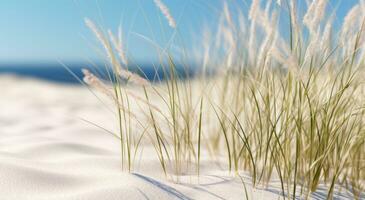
x: 287, y: 107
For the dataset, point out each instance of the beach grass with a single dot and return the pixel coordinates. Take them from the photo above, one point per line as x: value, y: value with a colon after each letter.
x: 274, y: 105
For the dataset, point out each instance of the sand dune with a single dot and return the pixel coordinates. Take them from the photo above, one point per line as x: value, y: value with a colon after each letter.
x: 48, y: 152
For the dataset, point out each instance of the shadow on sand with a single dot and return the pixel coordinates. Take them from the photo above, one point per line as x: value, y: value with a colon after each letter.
x: 169, y: 190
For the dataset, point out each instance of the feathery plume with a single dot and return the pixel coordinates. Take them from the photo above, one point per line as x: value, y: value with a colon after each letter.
x: 93, y: 81
x: 118, y: 45
x: 289, y: 62
x: 314, y: 15
x: 218, y: 38
x: 227, y: 15
x: 351, y: 25
x: 132, y: 77
x: 266, y: 21
x: 231, y: 45
x: 228, y: 31
x: 326, y: 35
x: 268, y: 42
x: 100, y: 36
x: 350, y: 19
x: 267, y: 8
x: 166, y: 12
x: 294, y: 19
x: 255, y: 5
x: 312, y: 20
x: 320, y: 11
x: 252, y: 43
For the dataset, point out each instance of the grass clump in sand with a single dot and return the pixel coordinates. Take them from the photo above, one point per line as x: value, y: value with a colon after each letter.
x: 287, y: 106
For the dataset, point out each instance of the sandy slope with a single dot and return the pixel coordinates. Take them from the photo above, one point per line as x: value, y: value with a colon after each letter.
x: 48, y: 152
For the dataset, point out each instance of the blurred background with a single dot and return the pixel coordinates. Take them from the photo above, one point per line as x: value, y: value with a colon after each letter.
x: 37, y: 37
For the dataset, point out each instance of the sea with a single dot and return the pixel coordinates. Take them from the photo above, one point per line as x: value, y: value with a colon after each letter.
x: 71, y: 73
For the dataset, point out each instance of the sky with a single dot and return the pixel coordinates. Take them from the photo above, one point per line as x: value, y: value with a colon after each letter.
x: 54, y: 30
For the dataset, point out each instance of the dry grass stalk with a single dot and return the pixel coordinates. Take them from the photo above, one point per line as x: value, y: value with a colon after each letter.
x: 166, y: 12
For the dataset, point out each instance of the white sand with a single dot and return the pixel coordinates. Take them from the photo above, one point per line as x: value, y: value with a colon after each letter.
x: 48, y: 152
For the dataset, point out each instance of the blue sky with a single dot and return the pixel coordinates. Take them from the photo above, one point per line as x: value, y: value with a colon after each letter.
x: 51, y: 30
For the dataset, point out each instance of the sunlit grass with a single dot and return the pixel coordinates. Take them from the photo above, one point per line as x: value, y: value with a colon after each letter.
x: 287, y: 108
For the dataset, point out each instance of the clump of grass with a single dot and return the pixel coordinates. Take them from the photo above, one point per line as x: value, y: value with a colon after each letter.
x: 280, y: 106
x: 119, y: 95
x: 294, y: 109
